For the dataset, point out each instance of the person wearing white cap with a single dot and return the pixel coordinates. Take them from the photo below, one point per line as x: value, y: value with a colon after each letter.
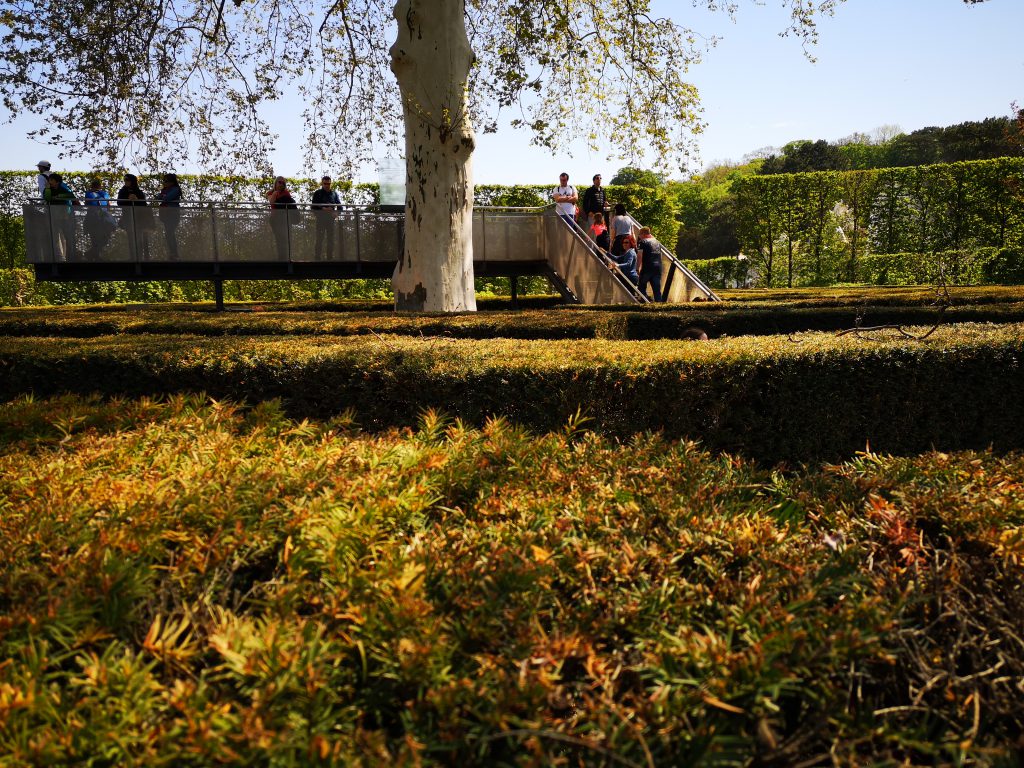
x: 44, y: 176
x: 37, y: 239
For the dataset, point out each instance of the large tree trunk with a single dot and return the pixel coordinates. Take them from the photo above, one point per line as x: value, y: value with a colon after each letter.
x: 431, y: 60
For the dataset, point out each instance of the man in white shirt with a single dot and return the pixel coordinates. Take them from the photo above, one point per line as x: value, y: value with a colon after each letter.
x: 565, y: 198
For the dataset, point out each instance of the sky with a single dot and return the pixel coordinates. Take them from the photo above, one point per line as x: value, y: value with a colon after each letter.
x: 909, y: 63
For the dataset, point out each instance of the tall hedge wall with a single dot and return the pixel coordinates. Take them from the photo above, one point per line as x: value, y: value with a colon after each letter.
x: 815, y: 228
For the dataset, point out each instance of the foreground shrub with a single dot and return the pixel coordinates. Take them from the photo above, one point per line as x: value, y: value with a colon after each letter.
x: 774, y: 398
x: 188, y: 583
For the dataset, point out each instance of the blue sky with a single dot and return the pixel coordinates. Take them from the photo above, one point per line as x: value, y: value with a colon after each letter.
x: 911, y: 63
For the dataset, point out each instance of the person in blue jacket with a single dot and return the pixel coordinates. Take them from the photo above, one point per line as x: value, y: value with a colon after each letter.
x: 626, y: 261
x: 60, y: 199
x: 99, y: 221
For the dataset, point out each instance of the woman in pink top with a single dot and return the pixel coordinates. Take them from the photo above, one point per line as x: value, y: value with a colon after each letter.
x: 600, y: 232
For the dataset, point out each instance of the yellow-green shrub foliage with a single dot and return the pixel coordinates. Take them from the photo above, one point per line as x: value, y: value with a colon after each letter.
x: 187, y: 583
x: 1003, y: 266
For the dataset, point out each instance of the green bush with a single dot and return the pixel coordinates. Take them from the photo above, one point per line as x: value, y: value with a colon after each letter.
x: 721, y: 272
x: 1004, y: 266
x: 18, y: 288
x: 12, y: 240
x: 654, y: 208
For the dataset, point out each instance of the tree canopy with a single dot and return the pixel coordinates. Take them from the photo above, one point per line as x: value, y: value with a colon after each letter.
x: 155, y: 83
x: 638, y: 176
x: 971, y: 140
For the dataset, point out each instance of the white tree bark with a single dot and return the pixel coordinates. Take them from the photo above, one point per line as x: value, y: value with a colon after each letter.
x: 431, y: 60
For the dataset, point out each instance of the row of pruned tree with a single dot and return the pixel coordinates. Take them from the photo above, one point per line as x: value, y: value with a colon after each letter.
x: 811, y: 228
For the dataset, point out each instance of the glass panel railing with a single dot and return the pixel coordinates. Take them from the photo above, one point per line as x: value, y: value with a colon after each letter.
x: 251, y: 233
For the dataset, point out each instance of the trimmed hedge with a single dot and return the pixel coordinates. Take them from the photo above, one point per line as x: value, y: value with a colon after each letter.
x: 860, y: 295
x: 981, y: 266
x: 773, y: 398
x: 355, y: 318
x: 992, y: 266
x: 924, y: 209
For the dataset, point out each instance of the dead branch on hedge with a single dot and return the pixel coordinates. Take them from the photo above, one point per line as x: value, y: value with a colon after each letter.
x: 858, y: 329
x: 943, y: 301
x: 383, y: 341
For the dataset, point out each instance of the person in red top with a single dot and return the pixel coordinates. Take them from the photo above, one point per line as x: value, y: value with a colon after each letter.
x: 599, y: 232
x: 281, y: 204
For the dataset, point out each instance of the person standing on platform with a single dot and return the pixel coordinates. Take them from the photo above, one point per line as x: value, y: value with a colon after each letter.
x: 60, y: 198
x: 565, y: 199
x: 137, y: 221
x: 170, y: 212
x: 594, y: 200
x: 649, y: 263
x: 42, y: 178
x: 99, y: 222
x: 281, y: 205
x: 37, y: 237
x: 325, y: 205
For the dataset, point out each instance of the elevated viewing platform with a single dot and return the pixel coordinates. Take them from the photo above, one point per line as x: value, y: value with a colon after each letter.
x: 247, y: 241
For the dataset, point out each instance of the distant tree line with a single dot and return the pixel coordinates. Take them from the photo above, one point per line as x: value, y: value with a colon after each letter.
x: 973, y: 140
